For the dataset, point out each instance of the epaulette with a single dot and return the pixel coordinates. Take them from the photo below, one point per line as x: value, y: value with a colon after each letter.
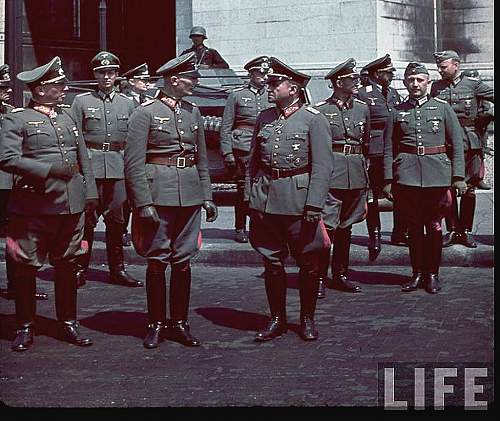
x: 147, y: 102
x: 475, y: 79
x: 320, y: 103
x: 239, y: 88
x: 16, y: 110
x: 85, y: 93
x: 312, y: 110
x: 358, y: 100
x: 64, y: 106
x: 368, y: 88
x: 190, y: 103
x: 125, y: 96
x: 440, y: 100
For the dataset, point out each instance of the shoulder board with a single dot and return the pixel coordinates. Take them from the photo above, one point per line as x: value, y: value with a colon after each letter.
x: 190, y: 103
x: 368, y: 88
x: 147, y: 102
x: 312, y: 110
x: 16, y: 110
x: 320, y: 103
x: 64, y: 106
x: 239, y: 88
x: 124, y: 96
x: 440, y: 100
x: 358, y: 100
x: 475, y: 79
x: 85, y: 93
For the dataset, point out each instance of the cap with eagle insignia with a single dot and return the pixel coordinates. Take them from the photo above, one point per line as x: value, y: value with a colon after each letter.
x: 415, y: 68
x: 260, y: 63
x: 139, y: 72
x: 105, y: 60
x: 440, y: 56
x: 382, y: 64
x: 4, y: 75
x: 52, y: 72
x: 279, y: 71
x: 345, y: 69
x: 183, y: 65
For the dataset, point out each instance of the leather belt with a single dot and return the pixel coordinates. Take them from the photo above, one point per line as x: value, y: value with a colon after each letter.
x: 347, y: 149
x: 276, y: 173
x: 244, y: 126
x: 422, y: 150
x: 105, y: 146
x: 378, y: 125
x: 172, y: 160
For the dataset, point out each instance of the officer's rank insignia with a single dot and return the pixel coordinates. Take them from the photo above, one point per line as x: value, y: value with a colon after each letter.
x: 468, y: 102
x: 297, y: 161
x: 403, y: 113
x: 161, y: 120
x: 295, y: 146
x: 331, y: 115
x: 435, y: 126
x: 372, y: 100
x: 432, y: 108
x: 244, y: 98
x: 34, y: 123
x: 290, y: 157
x: 92, y: 109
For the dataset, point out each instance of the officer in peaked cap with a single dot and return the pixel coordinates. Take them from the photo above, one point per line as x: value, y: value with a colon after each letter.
x: 288, y: 178
x: 349, y: 120
x: 53, y: 186
x: 423, y: 157
x: 238, y: 122
x: 166, y: 168
x: 381, y: 99
x: 204, y: 57
x: 102, y: 116
x: 465, y: 95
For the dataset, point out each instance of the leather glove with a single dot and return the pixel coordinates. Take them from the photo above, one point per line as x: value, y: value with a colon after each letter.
x: 61, y: 171
x: 387, y: 191
x: 149, y: 214
x: 211, y: 210
x: 460, y: 186
x: 91, y: 205
x: 312, y: 215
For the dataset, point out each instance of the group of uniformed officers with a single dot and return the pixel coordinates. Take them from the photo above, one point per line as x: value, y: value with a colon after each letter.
x: 305, y: 174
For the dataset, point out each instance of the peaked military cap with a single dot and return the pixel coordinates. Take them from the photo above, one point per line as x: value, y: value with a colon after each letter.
x: 182, y: 65
x: 470, y: 73
x: 52, y: 72
x: 415, y: 68
x: 345, y: 69
x: 105, y: 60
x: 279, y: 71
x: 4, y: 75
x: 440, y: 56
x: 139, y: 72
x: 363, y: 72
x: 260, y: 63
x: 198, y: 30
x: 382, y: 64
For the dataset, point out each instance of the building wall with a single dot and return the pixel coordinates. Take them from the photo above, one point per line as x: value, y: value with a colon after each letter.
x: 2, y: 31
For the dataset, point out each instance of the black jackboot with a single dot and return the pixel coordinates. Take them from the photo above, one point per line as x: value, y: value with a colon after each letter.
x: 156, y: 292
x: 373, y: 224
x: 275, y: 282
x: 452, y: 224
x: 340, y: 265
x: 416, y: 245
x: 308, y: 287
x: 180, y: 288
x: 324, y: 264
x: 114, y: 247
x: 433, y: 248
x: 83, y: 261
x: 25, y: 282
x: 467, y: 210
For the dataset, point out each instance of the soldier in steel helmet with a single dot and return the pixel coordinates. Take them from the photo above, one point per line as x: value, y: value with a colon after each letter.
x: 205, y: 58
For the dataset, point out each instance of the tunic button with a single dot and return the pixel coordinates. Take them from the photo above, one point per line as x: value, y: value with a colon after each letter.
x: 65, y: 152
x: 346, y: 118
x: 109, y: 123
x: 179, y: 121
x: 390, y: 109
x: 420, y: 143
x: 276, y: 146
x: 418, y: 112
x: 38, y: 131
x: 277, y: 139
x: 419, y: 130
x: 62, y: 145
x: 275, y: 154
x: 279, y: 132
x: 420, y: 137
x: 348, y: 128
x: 109, y: 134
x: 59, y: 128
x: 275, y: 162
x: 107, y: 111
x: 61, y: 136
x: 181, y: 132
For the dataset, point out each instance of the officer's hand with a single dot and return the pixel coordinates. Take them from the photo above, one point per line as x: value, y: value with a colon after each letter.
x: 61, y: 171
x: 460, y: 186
x: 91, y: 205
x: 387, y: 191
x: 149, y: 214
x: 312, y: 215
x: 211, y: 210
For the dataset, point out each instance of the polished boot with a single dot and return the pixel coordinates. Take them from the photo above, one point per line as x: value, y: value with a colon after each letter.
x: 23, y: 339
x: 180, y: 289
x: 433, y: 286
x: 308, y: 292
x: 416, y: 239
x: 240, y: 236
x: 156, y: 293
x: 9, y: 293
x: 468, y: 240
x: 483, y: 186
x: 374, y: 247
x: 126, y: 239
x: 416, y: 281
x: 83, y: 261
x: 240, y: 214
x: 114, y: 247
x: 321, y: 288
x: 323, y: 266
x: 275, y: 283
x: 467, y: 210
x: 451, y: 238
x: 373, y: 225
x: 70, y: 333
x: 340, y: 264
x: 399, y: 236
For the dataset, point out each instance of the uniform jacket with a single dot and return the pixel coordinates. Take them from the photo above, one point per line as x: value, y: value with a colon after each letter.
x: 30, y: 142
x: 464, y: 94
x: 103, y: 120
x: 155, y: 128
x: 242, y: 107
x: 5, y: 178
x: 349, y: 124
x: 428, y: 122
x: 380, y: 108
x: 208, y: 56
x: 301, y: 140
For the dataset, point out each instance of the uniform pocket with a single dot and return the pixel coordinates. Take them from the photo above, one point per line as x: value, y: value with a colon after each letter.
x: 92, y: 119
x: 122, y: 122
x: 434, y: 123
x: 39, y: 137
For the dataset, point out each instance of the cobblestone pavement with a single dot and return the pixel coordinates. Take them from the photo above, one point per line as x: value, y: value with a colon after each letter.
x: 228, y: 306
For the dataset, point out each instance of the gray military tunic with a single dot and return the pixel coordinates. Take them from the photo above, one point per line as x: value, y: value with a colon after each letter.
x: 46, y: 212
x: 5, y: 178
x: 290, y: 166
x: 158, y: 131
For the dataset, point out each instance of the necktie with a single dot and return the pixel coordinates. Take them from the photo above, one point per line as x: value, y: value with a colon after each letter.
x: 384, y: 91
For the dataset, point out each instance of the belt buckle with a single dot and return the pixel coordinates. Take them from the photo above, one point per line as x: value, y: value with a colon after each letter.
x: 420, y: 150
x: 347, y: 149
x: 105, y: 146
x: 181, y: 162
x: 275, y: 172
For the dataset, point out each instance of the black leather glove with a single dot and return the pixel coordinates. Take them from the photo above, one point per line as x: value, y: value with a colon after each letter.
x: 91, y: 205
x: 61, y: 171
x: 312, y: 214
x: 387, y: 191
x: 460, y: 186
x: 149, y: 214
x: 211, y: 210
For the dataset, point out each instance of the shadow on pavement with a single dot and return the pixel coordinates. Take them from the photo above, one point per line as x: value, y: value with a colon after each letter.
x: 234, y: 319
x: 378, y: 278
x: 123, y: 323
